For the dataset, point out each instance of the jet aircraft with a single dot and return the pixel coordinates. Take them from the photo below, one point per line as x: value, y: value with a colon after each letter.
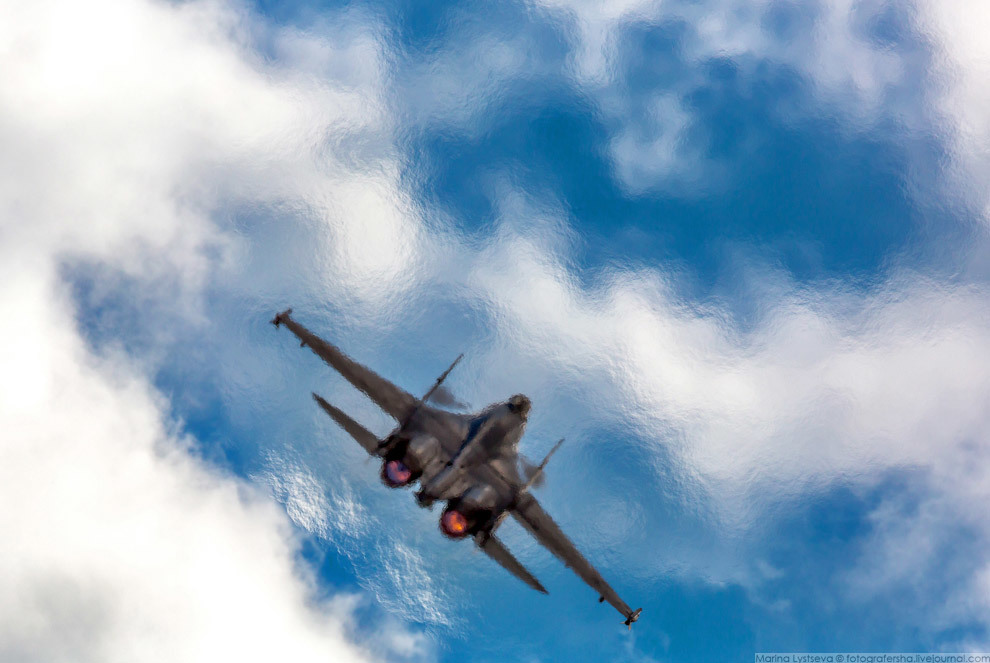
x: 470, y: 462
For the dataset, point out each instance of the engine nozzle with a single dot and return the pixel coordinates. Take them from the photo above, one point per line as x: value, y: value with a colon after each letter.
x: 454, y: 524
x: 396, y: 474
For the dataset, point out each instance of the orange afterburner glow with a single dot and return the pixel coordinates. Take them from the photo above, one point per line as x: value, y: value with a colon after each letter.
x: 396, y: 473
x: 454, y: 524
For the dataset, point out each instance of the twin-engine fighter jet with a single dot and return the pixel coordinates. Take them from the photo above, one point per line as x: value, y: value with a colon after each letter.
x: 468, y: 461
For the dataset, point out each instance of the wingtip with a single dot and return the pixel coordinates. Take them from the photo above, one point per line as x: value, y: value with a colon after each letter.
x: 633, y: 617
x: 280, y: 318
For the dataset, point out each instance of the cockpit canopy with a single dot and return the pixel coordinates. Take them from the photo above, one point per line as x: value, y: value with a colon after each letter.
x: 520, y: 404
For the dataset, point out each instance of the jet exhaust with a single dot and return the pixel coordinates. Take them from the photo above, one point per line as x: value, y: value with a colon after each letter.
x: 455, y: 524
x: 396, y: 474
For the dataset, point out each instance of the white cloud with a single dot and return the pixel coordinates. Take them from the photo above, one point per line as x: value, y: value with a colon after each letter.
x: 960, y: 90
x: 135, y: 132
x: 334, y: 513
x: 655, y: 150
x: 153, y: 117
x: 822, y: 386
x: 926, y: 79
x: 119, y: 545
x: 132, y: 131
x: 825, y: 384
x: 658, y: 142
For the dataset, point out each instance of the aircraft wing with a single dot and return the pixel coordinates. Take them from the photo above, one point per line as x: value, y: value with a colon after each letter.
x: 394, y: 400
x: 498, y: 552
x: 539, y: 523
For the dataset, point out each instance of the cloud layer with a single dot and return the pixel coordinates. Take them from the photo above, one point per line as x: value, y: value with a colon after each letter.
x: 193, y: 164
x: 131, y: 132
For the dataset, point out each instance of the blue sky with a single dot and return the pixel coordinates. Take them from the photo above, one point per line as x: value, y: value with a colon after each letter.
x: 733, y: 251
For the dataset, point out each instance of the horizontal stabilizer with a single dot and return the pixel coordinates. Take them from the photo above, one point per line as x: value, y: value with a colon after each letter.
x: 497, y: 551
x: 364, y: 436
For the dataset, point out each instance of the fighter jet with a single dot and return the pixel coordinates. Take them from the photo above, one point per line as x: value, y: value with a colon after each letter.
x: 468, y: 462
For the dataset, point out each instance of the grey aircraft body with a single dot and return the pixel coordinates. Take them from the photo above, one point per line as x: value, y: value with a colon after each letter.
x: 470, y: 462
